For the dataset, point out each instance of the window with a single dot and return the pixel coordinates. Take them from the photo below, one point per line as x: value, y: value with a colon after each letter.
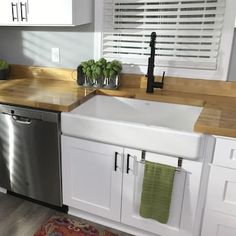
x: 189, y: 35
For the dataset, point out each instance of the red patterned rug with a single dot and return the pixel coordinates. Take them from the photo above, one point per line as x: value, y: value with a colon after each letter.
x: 63, y: 226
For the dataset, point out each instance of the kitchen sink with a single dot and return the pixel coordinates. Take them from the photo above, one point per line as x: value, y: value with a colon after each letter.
x: 146, y: 125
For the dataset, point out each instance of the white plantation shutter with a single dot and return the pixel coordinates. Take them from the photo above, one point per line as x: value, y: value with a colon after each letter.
x: 188, y: 31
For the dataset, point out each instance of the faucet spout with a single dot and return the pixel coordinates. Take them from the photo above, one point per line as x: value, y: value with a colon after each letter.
x: 151, y: 84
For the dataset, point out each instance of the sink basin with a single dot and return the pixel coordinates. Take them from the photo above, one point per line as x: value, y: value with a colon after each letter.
x: 146, y: 125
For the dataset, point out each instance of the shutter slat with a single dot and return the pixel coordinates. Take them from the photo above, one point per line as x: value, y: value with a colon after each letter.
x: 202, y: 63
x: 169, y: 13
x: 164, y: 58
x: 131, y: 38
x: 163, y: 46
x: 167, y: 20
x: 163, y: 52
x: 162, y: 1
x: 176, y: 32
x: 168, y: 6
x: 160, y: 26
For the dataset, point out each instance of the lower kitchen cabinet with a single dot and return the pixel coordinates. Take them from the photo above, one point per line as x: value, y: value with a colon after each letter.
x: 220, y: 211
x: 218, y: 224
x: 91, y: 181
x: 106, y: 181
x: 184, y: 196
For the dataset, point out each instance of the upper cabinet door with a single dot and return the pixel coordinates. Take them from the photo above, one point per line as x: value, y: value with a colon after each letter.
x: 8, y: 12
x: 45, y: 12
x: 50, y: 12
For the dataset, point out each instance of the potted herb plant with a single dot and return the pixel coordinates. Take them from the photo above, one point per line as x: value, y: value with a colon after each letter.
x: 99, y: 72
x: 4, y: 69
x: 111, y: 73
x: 88, y: 72
x: 97, y: 75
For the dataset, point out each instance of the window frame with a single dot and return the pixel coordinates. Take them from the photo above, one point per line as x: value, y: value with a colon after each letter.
x: 224, y: 51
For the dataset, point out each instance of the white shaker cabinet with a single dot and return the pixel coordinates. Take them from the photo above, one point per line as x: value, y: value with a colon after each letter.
x: 220, y: 212
x: 185, y: 193
x: 9, y: 12
x: 92, y: 177
x: 60, y: 12
x: 45, y: 12
x: 106, y: 180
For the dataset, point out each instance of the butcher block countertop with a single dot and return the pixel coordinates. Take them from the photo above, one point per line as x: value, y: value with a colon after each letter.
x: 50, y: 94
x: 57, y: 90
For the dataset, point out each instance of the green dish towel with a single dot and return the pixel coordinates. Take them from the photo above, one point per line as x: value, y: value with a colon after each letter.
x: 157, y: 191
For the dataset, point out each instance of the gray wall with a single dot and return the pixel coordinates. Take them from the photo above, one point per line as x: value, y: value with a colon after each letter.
x: 32, y: 45
x: 232, y: 66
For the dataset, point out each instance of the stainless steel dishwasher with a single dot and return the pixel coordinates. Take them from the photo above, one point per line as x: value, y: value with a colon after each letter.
x: 30, y: 162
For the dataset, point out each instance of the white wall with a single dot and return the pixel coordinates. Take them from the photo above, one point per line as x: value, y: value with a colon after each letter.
x: 32, y: 45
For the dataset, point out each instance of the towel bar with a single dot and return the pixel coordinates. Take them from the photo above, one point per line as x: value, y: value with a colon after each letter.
x: 178, y: 168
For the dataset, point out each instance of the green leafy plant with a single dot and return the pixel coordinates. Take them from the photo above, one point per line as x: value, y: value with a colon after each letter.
x: 112, y: 69
x: 102, y: 63
x: 3, y: 65
x: 87, y: 69
x: 97, y: 71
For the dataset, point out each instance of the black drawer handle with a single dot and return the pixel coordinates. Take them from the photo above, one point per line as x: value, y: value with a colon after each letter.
x: 127, y: 164
x: 13, y: 12
x: 116, y: 166
x: 25, y: 10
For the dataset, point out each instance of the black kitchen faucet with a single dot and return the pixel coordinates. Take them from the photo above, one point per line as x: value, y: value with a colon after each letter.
x: 151, y: 84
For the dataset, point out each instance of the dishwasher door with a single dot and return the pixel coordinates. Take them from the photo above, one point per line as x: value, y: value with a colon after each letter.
x: 30, y: 153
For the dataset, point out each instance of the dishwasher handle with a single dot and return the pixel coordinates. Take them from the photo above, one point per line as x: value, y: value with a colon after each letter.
x: 21, y: 119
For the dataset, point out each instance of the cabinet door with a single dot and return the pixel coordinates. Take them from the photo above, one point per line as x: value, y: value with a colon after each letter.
x: 184, y: 195
x: 53, y: 12
x: 222, y: 190
x: 92, y: 177
x: 218, y: 224
x: 8, y: 10
x: 225, y: 152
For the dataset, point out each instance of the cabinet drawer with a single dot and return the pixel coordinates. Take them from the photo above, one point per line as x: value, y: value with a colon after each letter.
x: 218, y: 224
x: 222, y: 190
x: 225, y: 152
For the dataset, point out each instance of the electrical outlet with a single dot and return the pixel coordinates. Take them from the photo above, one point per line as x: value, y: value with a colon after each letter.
x: 55, y: 53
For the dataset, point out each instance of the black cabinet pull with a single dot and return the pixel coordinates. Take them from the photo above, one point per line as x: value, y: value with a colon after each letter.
x: 13, y: 13
x: 116, y: 166
x: 127, y: 164
x: 23, y: 16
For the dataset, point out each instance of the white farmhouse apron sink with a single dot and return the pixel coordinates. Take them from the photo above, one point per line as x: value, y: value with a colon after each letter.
x: 145, y: 125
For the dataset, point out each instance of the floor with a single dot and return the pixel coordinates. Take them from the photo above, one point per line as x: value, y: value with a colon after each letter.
x: 22, y: 218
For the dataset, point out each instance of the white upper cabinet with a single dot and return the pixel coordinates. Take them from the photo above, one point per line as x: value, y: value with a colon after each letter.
x: 8, y: 12
x: 45, y: 12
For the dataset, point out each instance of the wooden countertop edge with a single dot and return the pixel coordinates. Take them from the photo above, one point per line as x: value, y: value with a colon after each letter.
x: 205, y: 129
x: 80, y: 101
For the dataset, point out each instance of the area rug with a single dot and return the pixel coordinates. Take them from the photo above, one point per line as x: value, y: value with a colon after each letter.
x: 63, y: 226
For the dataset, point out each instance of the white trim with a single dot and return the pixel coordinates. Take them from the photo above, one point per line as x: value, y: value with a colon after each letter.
x: 98, y: 26
x: 224, y: 55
